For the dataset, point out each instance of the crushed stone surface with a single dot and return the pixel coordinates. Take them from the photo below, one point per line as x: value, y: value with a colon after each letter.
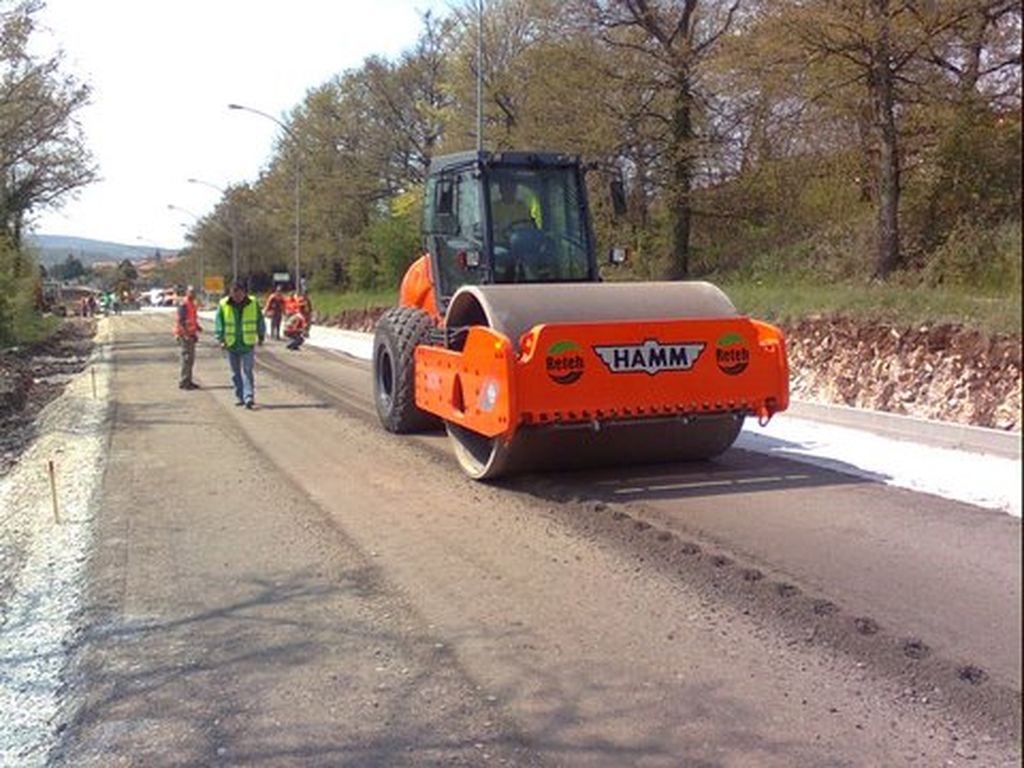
x: 43, y: 553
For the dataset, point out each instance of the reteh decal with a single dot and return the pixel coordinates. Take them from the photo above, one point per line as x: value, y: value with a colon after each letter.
x: 732, y: 354
x: 564, y: 362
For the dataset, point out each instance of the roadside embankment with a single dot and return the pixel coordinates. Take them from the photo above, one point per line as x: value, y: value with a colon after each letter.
x: 32, y: 376
x: 941, y: 372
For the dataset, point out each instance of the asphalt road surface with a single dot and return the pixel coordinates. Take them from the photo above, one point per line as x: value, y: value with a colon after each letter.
x: 293, y: 586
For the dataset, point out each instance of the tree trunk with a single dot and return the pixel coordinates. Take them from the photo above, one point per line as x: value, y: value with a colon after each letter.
x: 883, y: 86
x: 682, y: 182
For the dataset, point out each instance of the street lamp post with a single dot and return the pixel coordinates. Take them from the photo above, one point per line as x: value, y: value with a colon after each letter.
x: 231, y: 233
x: 232, y: 220
x: 298, y: 176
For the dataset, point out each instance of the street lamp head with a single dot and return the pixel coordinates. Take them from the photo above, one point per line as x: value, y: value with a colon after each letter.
x: 235, y: 106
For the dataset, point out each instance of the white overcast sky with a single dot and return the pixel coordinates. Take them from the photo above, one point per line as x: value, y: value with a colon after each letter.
x: 163, y: 74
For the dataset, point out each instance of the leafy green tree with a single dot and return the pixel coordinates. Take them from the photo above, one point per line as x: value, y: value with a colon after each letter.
x: 674, y: 41
x: 825, y: 136
x: 70, y: 269
x: 43, y: 157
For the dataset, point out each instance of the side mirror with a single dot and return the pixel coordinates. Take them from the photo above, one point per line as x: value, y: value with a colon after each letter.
x: 618, y: 194
x: 618, y: 255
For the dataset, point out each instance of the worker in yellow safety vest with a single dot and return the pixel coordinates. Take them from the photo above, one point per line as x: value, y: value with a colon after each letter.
x: 514, y: 206
x: 239, y: 328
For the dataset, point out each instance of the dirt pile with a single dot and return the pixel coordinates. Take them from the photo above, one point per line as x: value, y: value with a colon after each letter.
x: 941, y: 372
x: 32, y: 376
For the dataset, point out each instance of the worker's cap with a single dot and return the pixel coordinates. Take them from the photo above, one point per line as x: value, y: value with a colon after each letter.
x: 238, y: 285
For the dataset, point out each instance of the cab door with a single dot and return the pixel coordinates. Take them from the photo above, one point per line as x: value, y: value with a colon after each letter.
x: 455, y: 231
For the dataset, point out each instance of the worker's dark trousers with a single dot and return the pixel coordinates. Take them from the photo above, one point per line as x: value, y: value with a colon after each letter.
x: 188, y: 360
x: 275, y: 327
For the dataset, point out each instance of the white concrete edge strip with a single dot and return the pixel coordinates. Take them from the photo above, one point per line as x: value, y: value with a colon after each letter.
x: 38, y: 624
x: 993, y: 442
x: 991, y: 482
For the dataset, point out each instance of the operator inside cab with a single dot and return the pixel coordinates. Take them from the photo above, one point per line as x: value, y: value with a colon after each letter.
x: 510, y: 209
x: 516, y: 220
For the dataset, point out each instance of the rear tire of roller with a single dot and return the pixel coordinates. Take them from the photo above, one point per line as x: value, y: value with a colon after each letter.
x: 398, y: 333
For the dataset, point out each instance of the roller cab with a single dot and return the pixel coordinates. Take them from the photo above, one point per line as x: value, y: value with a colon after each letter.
x: 506, y: 336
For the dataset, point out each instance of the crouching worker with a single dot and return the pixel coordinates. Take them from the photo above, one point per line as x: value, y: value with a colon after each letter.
x: 296, y: 330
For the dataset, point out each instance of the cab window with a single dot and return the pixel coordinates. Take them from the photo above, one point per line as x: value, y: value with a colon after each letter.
x: 459, y: 244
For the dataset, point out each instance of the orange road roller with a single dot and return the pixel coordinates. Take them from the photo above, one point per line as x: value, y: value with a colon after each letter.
x: 507, y: 337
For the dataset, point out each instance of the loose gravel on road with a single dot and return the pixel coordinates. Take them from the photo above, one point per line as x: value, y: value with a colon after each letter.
x: 42, y: 561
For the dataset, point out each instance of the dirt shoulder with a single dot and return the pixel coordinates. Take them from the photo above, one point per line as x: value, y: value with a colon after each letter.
x: 34, y: 375
x: 942, y: 372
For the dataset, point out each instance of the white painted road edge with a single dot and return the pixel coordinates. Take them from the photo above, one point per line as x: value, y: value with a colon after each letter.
x: 992, y: 482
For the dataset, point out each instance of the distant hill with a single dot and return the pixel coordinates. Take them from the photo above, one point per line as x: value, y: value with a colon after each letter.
x: 53, y: 249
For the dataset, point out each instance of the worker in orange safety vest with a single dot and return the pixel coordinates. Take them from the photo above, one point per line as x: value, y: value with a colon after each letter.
x: 186, y: 331
x: 295, y: 330
x: 274, y: 309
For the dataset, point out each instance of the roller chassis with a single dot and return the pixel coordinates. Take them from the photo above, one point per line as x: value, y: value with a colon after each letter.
x: 565, y: 374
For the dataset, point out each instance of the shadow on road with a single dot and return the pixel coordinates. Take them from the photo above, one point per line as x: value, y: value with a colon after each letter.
x: 291, y: 406
x: 289, y: 674
x: 735, y: 472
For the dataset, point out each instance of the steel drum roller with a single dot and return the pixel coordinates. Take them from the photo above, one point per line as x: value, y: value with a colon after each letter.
x: 514, y: 309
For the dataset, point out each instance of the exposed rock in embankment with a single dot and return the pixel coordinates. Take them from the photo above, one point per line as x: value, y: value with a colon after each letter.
x: 941, y: 372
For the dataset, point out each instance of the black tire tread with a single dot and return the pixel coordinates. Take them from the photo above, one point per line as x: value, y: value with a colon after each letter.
x: 402, y: 329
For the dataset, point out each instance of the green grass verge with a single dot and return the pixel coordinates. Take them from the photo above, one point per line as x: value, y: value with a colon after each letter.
x: 30, y: 328
x: 896, y: 304
x: 788, y: 301
x: 335, y: 302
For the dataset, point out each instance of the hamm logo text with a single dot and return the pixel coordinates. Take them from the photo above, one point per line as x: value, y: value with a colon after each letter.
x: 651, y: 357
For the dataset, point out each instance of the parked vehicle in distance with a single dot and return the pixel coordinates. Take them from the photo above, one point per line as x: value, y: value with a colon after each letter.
x: 159, y: 297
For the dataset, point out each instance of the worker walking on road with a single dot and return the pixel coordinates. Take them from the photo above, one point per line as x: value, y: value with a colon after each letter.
x: 187, y: 330
x: 274, y: 309
x: 239, y: 329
